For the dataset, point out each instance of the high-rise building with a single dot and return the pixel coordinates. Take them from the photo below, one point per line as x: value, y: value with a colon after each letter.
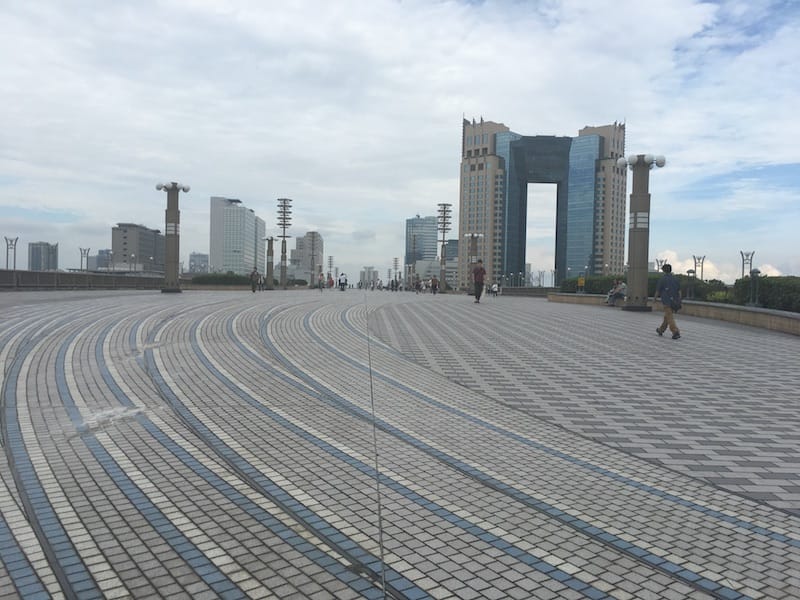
x: 307, y: 258
x: 103, y: 259
x: 137, y: 248
x: 42, y: 256
x: 610, y: 216
x: 421, y: 239
x: 496, y: 167
x: 236, y: 238
x: 198, y: 262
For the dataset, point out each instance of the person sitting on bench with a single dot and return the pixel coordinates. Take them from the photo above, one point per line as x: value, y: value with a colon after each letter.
x: 617, y: 292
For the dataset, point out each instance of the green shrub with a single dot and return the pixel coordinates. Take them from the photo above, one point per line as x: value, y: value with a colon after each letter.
x: 723, y: 297
x: 221, y: 279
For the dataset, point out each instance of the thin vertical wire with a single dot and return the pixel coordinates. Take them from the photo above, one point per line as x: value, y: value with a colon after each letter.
x: 375, y: 448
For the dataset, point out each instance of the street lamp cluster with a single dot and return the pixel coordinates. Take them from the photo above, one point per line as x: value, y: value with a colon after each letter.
x: 639, y: 227
x: 171, y: 236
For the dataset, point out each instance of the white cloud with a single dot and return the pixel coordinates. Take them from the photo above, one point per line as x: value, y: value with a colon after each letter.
x: 353, y: 109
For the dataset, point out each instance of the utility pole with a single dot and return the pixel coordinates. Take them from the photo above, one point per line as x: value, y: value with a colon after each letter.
x: 284, y: 222
x: 444, y: 226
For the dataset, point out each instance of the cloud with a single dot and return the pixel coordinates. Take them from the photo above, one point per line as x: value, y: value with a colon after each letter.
x: 354, y: 110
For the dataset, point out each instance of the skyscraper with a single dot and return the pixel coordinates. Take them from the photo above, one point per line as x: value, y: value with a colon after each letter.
x: 496, y: 167
x: 42, y: 256
x: 421, y: 239
x: 307, y: 258
x: 236, y: 238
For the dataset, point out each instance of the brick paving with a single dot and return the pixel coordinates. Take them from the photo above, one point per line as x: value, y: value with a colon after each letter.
x: 225, y: 445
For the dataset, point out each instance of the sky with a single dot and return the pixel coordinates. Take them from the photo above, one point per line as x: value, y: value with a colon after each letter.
x: 353, y: 109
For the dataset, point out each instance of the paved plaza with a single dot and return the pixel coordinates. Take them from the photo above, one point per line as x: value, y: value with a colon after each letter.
x: 299, y: 444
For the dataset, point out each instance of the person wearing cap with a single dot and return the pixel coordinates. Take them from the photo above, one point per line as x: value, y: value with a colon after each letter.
x: 668, y: 290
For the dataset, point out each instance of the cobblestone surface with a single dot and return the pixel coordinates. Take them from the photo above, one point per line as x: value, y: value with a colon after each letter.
x: 225, y: 445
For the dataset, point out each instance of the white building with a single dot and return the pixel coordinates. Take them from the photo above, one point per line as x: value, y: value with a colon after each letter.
x: 306, y: 260
x: 236, y: 238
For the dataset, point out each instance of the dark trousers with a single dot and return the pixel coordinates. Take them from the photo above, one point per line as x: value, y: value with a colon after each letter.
x: 478, y: 290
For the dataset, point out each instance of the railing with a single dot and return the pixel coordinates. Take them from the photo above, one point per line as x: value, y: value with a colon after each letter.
x: 71, y: 280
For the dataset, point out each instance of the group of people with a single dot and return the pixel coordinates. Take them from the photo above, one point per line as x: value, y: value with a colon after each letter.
x: 257, y: 281
x: 618, y: 292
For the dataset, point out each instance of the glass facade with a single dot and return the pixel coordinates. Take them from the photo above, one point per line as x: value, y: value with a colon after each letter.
x: 497, y: 166
x: 421, y: 242
x: 535, y: 159
x: 583, y: 157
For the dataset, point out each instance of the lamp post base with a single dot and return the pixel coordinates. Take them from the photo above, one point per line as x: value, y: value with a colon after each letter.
x: 171, y: 290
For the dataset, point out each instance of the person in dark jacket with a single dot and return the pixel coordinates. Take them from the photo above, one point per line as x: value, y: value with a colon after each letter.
x: 668, y: 291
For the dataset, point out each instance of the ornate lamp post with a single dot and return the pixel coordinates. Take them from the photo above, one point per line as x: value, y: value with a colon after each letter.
x: 172, y: 238
x: 747, y: 261
x: 11, y: 246
x: 698, y: 260
x: 639, y: 227
x: 270, y: 263
x: 84, y: 256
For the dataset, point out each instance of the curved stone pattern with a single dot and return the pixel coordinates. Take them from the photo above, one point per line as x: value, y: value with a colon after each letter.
x: 389, y: 445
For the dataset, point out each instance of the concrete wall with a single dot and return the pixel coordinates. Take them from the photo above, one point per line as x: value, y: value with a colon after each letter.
x: 774, y: 320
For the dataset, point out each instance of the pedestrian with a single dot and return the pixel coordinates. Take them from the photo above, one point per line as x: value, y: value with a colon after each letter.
x: 668, y: 290
x: 254, y: 279
x: 434, y: 285
x: 478, y: 273
x: 321, y: 281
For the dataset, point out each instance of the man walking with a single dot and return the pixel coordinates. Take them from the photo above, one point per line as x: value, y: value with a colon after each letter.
x: 478, y: 273
x: 669, y: 291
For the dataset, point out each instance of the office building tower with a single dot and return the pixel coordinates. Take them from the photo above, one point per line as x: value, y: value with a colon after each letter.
x: 306, y: 260
x: 42, y: 256
x: 496, y: 167
x: 198, y: 262
x: 103, y: 260
x: 137, y: 248
x: 421, y: 239
x: 236, y: 242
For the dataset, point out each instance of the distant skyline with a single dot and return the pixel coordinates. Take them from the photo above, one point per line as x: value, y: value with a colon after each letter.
x: 354, y: 110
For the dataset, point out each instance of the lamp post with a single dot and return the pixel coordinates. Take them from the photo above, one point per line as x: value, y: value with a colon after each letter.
x: 84, y: 256
x: 11, y: 246
x: 754, y: 273
x: 690, y: 287
x: 698, y: 260
x: 284, y: 222
x: 747, y: 261
x: 172, y: 238
x: 111, y: 260
x: 132, y: 264
x: 270, y: 263
x: 639, y: 228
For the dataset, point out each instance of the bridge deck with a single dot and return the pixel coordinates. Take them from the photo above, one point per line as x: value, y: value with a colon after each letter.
x: 213, y: 444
